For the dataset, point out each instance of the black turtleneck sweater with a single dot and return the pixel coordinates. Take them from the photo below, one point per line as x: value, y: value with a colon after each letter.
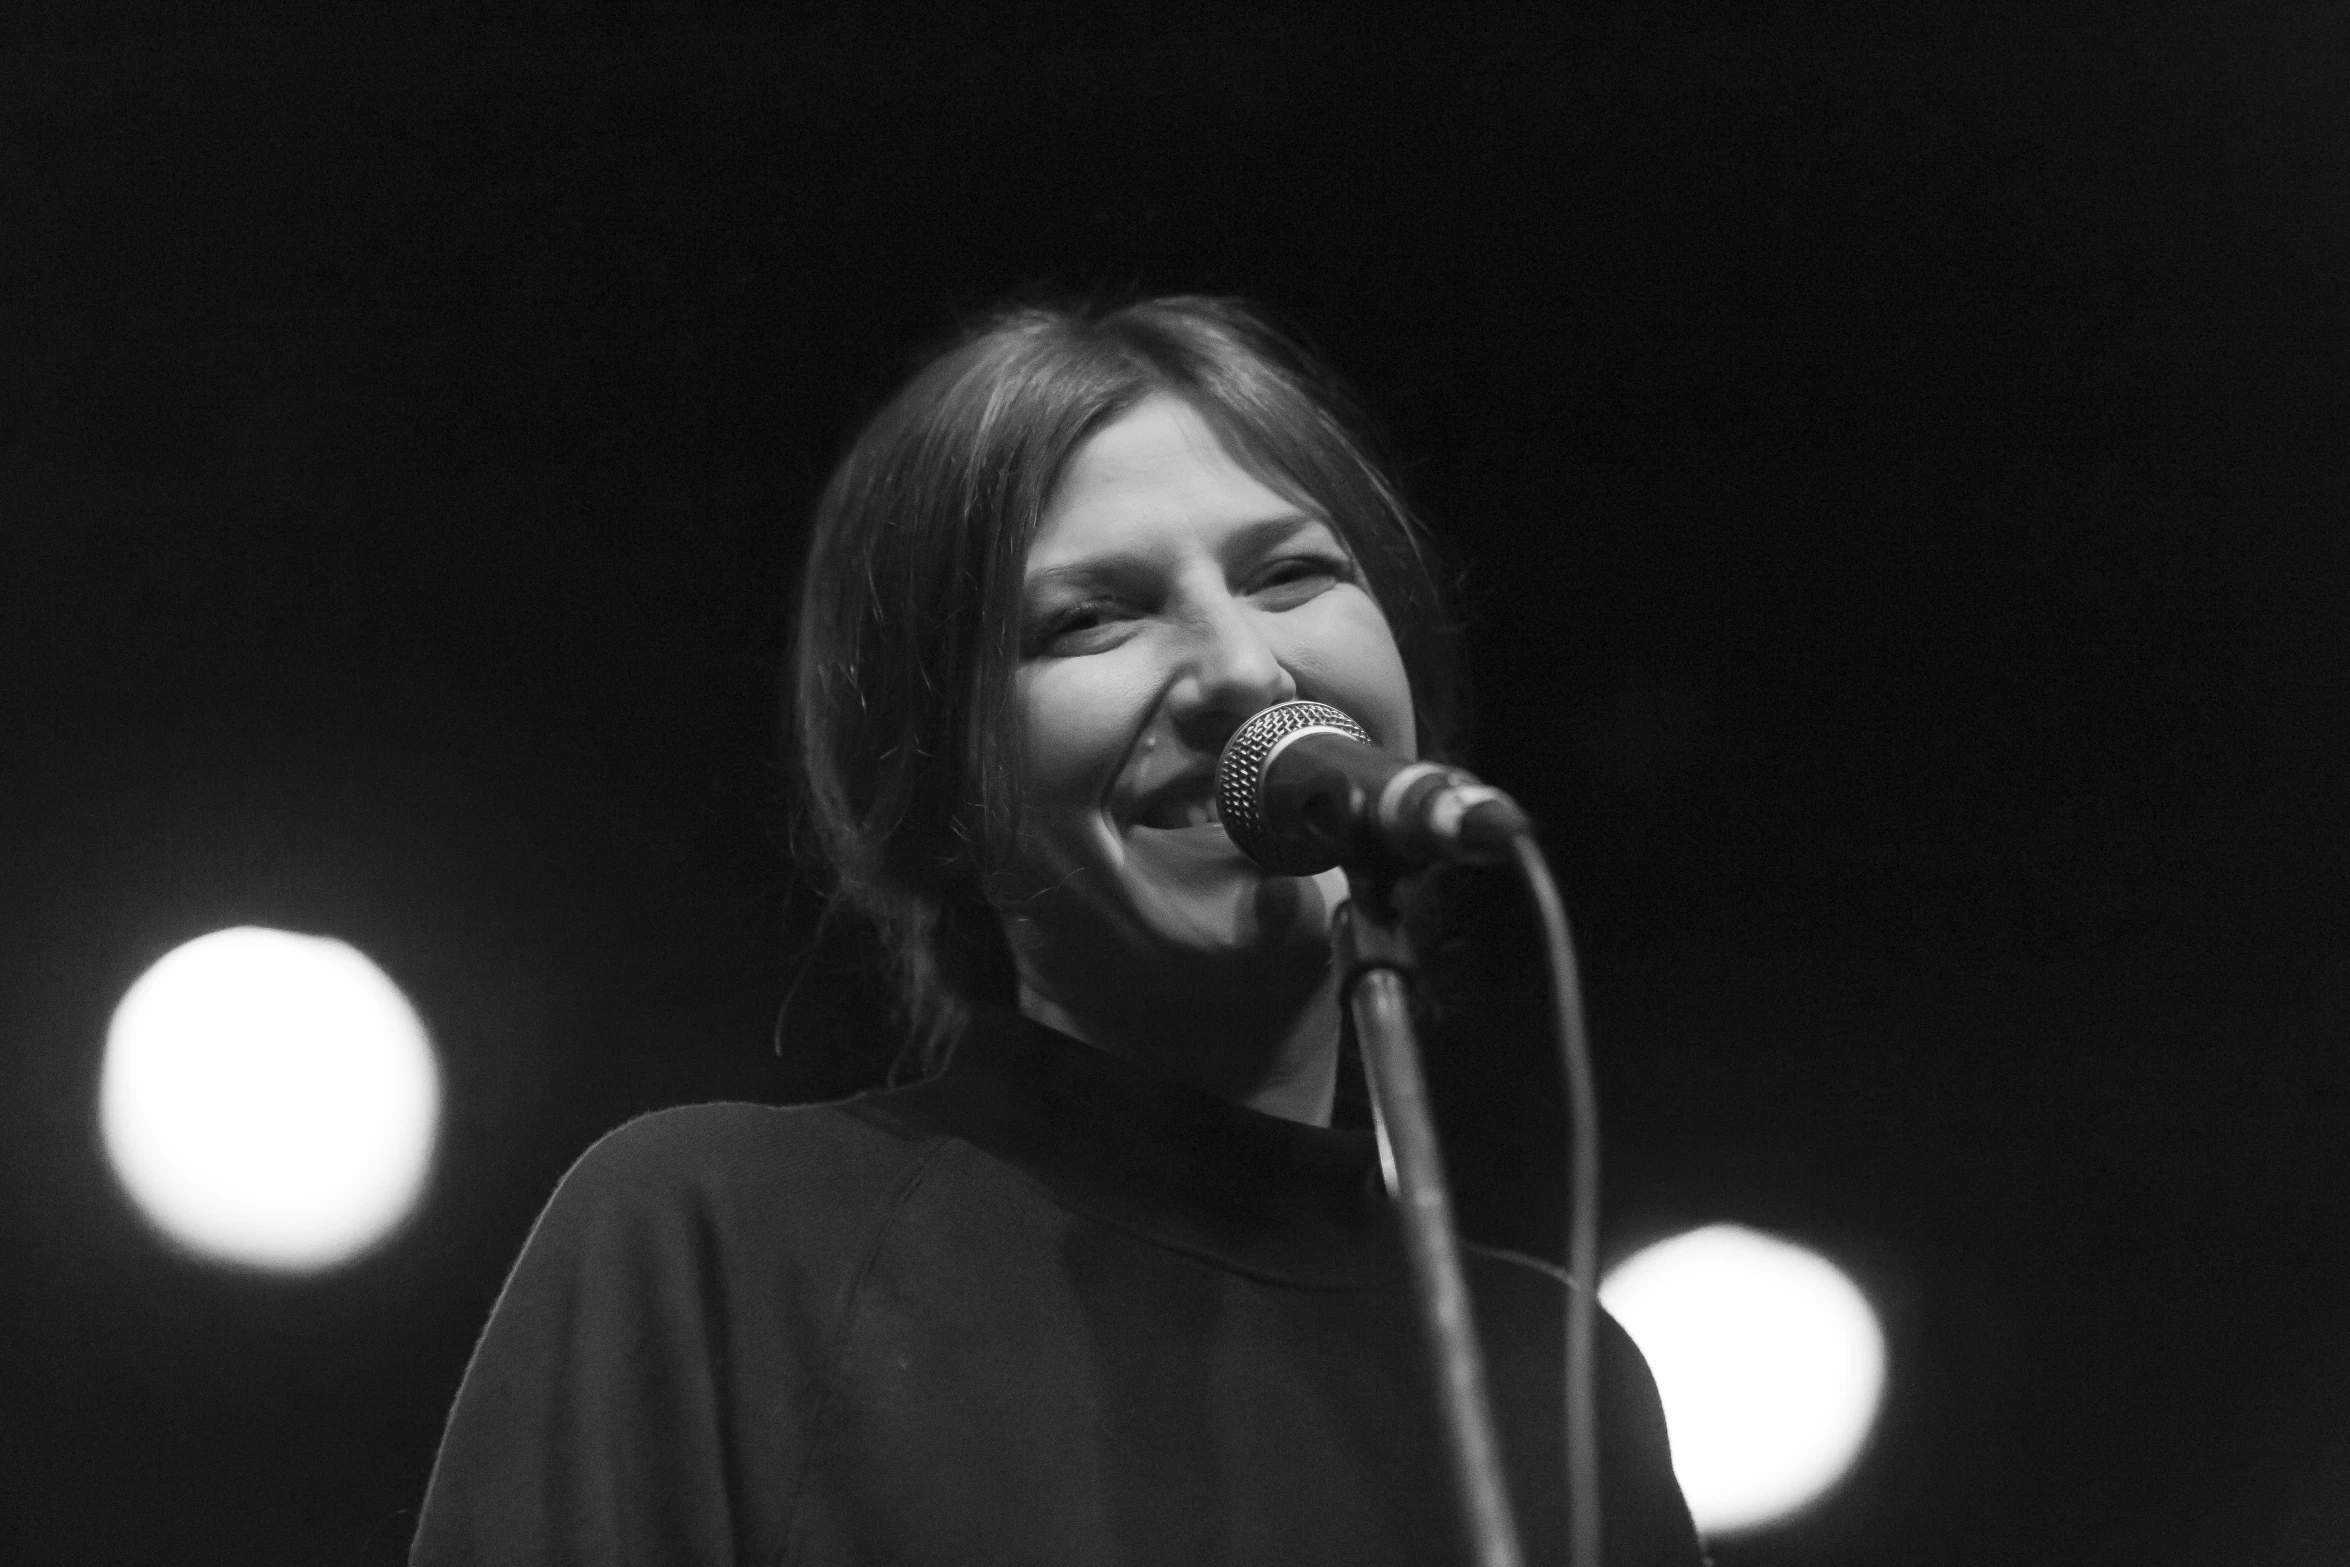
x: 1046, y: 1309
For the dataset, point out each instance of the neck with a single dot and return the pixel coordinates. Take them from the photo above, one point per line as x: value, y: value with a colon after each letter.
x: 1271, y: 1048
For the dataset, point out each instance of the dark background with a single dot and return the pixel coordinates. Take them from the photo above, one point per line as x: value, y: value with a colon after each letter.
x: 1900, y: 465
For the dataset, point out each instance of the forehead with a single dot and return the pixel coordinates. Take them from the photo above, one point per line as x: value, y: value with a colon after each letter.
x: 1155, y: 479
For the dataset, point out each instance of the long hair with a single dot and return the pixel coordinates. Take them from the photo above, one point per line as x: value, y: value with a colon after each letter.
x: 907, y: 748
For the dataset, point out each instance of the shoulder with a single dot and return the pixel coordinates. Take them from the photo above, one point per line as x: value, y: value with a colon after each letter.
x: 736, y: 1180
x: 713, y: 1148
x: 1516, y: 1275
x: 1646, y: 1518
x: 1534, y: 1286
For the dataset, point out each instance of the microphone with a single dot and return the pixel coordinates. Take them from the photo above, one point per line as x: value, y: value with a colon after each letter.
x: 1300, y: 788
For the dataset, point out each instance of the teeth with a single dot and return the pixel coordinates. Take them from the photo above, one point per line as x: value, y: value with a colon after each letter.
x: 1199, y: 813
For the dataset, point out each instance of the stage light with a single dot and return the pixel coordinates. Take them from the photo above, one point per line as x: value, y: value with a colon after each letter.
x: 1770, y: 1363
x: 269, y: 1099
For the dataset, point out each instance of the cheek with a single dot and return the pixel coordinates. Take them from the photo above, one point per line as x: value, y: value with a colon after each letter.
x: 1077, y: 717
x: 1346, y: 656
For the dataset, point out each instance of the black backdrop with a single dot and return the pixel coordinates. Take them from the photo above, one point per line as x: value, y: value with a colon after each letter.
x: 1899, y: 461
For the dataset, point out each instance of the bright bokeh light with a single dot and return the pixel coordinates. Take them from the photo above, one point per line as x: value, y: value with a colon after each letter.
x: 1769, y: 1361
x: 269, y: 1099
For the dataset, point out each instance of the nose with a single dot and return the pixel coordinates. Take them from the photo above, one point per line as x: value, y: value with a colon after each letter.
x: 1230, y: 673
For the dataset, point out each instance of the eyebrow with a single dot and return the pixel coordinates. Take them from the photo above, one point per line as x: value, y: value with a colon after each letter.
x: 1248, y: 538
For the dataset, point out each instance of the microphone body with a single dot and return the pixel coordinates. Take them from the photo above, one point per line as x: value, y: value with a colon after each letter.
x: 1300, y: 788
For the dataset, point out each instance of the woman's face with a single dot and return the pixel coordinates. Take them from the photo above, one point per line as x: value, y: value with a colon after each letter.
x: 1169, y: 595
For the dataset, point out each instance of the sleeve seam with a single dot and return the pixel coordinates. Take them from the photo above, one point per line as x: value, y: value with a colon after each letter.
x: 837, y: 1351
x: 1550, y: 1270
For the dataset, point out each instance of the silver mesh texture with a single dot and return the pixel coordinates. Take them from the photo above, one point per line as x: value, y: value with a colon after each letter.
x: 1242, y: 769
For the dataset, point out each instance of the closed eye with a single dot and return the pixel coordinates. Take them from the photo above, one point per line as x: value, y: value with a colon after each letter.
x: 1076, y: 629
x: 1296, y: 579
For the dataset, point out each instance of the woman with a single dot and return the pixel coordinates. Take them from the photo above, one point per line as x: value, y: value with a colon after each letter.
x: 1107, y: 1286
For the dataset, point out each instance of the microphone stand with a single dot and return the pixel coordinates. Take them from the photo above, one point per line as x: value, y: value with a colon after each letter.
x: 1375, y: 972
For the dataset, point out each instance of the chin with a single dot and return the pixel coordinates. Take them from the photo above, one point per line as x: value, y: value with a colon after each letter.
x: 1252, y: 914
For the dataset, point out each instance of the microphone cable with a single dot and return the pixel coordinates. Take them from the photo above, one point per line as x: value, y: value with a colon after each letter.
x: 1582, y: 1095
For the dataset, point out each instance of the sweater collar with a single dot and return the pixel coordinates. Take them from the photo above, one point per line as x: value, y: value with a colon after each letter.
x: 1260, y: 1195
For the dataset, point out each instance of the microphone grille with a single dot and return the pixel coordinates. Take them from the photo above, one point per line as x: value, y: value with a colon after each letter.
x: 1240, y: 775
